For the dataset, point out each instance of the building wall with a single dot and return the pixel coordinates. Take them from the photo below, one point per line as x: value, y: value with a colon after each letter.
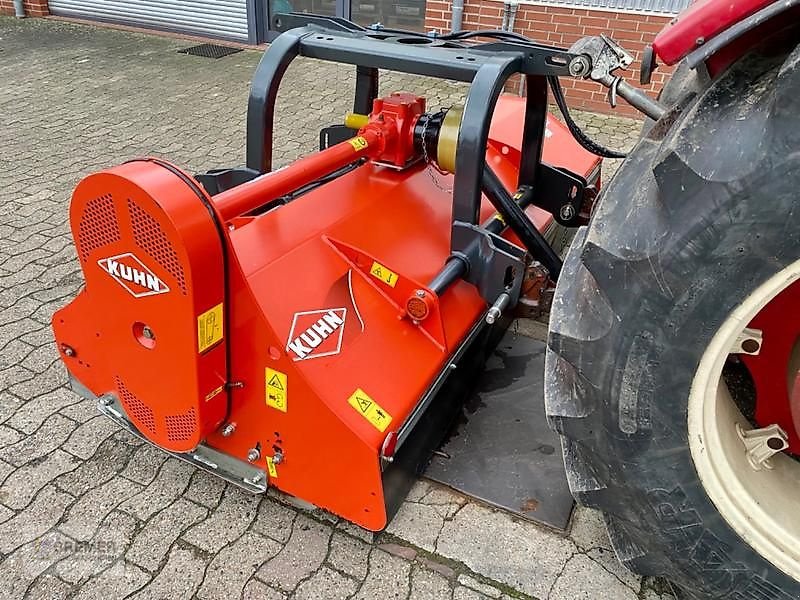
x: 33, y: 8
x: 562, y: 26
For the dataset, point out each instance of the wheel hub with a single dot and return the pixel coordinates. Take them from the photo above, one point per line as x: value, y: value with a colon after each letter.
x: 775, y: 369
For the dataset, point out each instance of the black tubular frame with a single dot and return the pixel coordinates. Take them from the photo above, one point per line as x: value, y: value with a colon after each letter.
x: 487, y: 66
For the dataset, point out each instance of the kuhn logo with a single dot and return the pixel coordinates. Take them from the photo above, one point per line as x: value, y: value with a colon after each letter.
x: 131, y: 274
x: 316, y: 333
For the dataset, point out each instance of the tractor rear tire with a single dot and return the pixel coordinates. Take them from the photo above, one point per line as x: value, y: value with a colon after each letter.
x: 702, y: 217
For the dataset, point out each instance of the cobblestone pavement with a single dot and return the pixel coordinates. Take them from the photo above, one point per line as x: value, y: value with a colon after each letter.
x: 87, y: 511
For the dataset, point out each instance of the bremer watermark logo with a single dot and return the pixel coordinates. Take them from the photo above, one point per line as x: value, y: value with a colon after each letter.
x: 55, y: 546
x: 133, y: 275
x: 316, y: 333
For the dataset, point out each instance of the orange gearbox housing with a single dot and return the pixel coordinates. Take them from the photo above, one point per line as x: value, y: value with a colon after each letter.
x: 323, y: 368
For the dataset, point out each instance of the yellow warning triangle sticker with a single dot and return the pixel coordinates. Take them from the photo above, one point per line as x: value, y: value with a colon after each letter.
x: 370, y: 410
x: 363, y: 403
x: 275, y: 382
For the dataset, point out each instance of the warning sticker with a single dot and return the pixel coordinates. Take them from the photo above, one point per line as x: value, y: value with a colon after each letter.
x: 277, y: 389
x: 271, y: 468
x: 370, y: 410
x: 209, y: 328
x: 358, y: 143
x: 387, y: 276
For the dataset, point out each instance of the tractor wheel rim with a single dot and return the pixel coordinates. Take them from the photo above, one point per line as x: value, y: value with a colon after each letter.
x: 761, y: 506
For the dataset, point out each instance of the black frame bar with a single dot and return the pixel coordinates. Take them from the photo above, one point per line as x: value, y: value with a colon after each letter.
x: 486, y: 66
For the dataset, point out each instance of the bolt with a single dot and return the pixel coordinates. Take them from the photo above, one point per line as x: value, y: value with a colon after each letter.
x: 420, y: 293
x: 277, y: 458
x: 253, y: 454
x: 67, y: 350
x: 775, y: 443
x: 579, y: 66
x: 228, y: 430
x: 106, y: 401
x: 567, y: 212
x: 257, y: 478
x: 751, y: 346
x: 148, y: 333
x: 493, y: 314
x: 700, y: 41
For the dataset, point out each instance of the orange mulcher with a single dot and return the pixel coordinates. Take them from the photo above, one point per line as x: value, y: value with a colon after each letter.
x: 314, y: 328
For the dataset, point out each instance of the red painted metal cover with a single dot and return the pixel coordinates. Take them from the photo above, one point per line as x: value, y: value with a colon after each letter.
x: 703, y: 20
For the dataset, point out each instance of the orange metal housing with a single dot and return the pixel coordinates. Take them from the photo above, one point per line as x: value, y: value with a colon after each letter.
x: 322, y: 369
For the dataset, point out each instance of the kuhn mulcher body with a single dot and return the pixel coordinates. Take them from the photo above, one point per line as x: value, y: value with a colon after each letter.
x: 315, y: 328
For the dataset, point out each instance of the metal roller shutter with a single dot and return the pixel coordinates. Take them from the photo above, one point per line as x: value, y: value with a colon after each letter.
x: 214, y: 18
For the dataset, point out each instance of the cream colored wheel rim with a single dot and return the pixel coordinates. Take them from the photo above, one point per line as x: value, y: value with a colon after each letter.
x: 763, y: 507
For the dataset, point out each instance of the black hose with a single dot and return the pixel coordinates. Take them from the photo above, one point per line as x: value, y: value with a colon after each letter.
x: 583, y: 139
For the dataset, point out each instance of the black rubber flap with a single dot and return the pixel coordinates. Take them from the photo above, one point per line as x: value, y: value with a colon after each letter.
x: 502, y: 451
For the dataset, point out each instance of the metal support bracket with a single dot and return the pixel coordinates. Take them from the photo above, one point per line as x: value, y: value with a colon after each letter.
x: 233, y: 470
x: 496, y: 265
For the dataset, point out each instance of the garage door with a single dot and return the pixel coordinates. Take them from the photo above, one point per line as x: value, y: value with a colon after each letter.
x: 214, y: 18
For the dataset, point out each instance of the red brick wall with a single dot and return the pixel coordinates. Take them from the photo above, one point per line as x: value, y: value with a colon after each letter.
x: 562, y: 26
x: 33, y: 8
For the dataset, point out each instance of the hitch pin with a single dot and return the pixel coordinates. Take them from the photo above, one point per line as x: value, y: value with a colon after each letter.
x: 497, y: 308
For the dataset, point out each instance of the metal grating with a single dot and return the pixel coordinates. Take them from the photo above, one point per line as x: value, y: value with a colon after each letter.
x: 151, y: 238
x: 98, y: 226
x: 665, y: 7
x: 138, y: 411
x: 181, y: 427
x: 210, y: 50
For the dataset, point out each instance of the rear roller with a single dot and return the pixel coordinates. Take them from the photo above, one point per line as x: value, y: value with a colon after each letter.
x: 672, y: 370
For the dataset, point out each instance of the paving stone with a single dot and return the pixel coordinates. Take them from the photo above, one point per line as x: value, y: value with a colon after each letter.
x: 349, y: 555
x: 51, y: 379
x: 479, y: 586
x: 388, y: 577
x: 437, y: 567
x: 417, y: 523
x: 274, y: 520
x: 107, y: 462
x: 145, y: 464
x: 429, y: 585
x: 81, y: 411
x: 48, y: 587
x: 40, y: 515
x: 47, y: 438
x: 106, y: 547
x: 235, y: 564
x: 493, y: 544
x: 232, y: 517
x: 5, y: 512
x: 88, y: 512
x: 21, y: 486
x: 170, y: 483
x: 117, y: 581
x: 327, y: 584
x: 20, y: 569
x: 302, y: 555
x: 157, y: 536
x: 257, y: 590
x: 29, y: 417
x: 465, y: 593
x: 9, y: 405
x: 179, y: 578
x: 584, y: 579
x: 356, y: 531
x: 205, y: 488
x: 85, y: 440
x: 9, y: 436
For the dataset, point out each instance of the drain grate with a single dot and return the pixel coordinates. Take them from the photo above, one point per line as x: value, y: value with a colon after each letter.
x: 210, y: 50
